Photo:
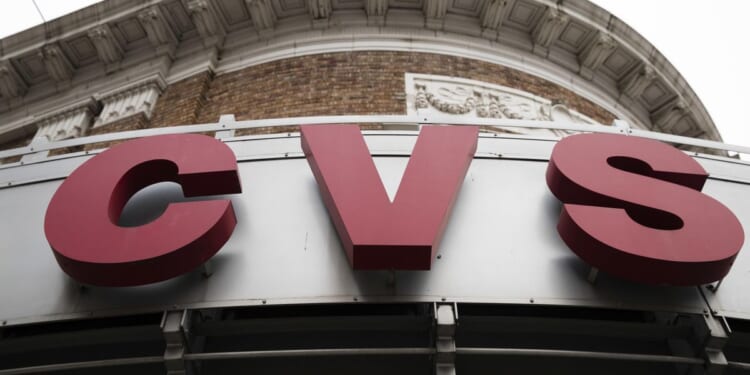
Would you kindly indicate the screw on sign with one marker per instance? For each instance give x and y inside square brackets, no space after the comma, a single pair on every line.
[632,207]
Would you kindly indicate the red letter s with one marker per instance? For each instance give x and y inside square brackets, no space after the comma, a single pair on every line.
[81,220]
[633,208]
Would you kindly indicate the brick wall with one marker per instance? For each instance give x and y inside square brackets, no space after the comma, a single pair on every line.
[346,83]
[359,83]
[181,102]
[135,122]
[18,142]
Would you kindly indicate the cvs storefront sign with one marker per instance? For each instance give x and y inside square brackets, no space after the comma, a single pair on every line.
[632,207]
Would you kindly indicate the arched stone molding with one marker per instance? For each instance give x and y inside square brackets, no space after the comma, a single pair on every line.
[573,43]
[137,98]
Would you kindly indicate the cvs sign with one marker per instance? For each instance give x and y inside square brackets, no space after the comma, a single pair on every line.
[632,207]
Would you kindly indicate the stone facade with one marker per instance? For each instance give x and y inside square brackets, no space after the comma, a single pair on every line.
[18,142]
[359,83]
[135,122]
[182,101]
[186,62]
[346,83]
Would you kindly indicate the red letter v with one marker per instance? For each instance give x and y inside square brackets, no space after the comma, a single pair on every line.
[376,233]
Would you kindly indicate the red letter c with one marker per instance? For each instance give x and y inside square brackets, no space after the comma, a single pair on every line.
[81,220]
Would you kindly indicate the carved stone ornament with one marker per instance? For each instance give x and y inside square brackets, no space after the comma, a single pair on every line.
[139,99]
[108,48]
[11,83]
[666,116]
[435,8]
[157,29]
[433,94]
[637,81]
[69,124]
[58,66]
[596,52]
[205,18]
[262,13]
[549,27]
[319,9]
[492,14]
[376,7]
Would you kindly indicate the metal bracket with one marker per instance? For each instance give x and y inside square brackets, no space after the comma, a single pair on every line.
[714,288]
[225,120]
[391,279]
[207,269]
[224,134]
[445,342]
[716,362]
[715,331]
[35,157]
[593,274]
[173,325]
[623,126]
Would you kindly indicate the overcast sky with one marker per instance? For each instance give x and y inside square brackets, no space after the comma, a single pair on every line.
[705,41]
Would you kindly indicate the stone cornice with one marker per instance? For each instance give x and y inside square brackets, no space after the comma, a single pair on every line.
[156,80]
[36,121]
[573,43]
